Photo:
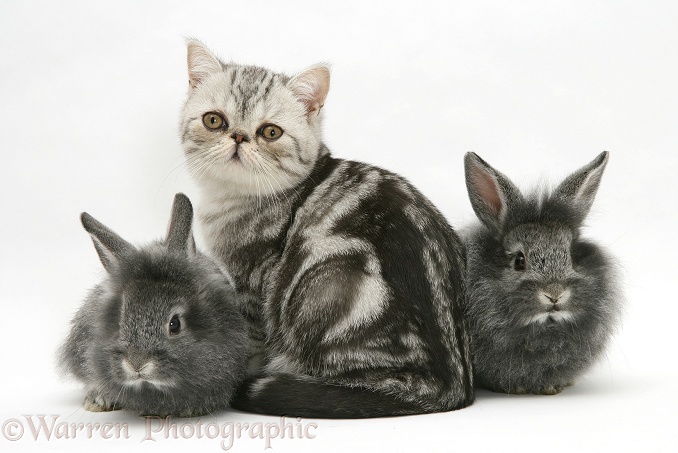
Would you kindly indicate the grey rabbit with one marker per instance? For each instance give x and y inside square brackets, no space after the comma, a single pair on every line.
[162,334]
[543,301]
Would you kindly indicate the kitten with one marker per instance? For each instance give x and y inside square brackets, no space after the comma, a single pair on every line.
[353,279]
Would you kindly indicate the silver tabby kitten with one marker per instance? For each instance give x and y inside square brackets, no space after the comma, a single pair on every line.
[353,280]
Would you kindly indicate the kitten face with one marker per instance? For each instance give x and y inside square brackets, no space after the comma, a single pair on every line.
[248,130]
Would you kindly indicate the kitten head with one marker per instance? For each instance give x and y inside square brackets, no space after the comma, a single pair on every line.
[248,130]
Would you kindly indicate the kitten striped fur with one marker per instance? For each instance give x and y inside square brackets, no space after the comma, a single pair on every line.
[353,280]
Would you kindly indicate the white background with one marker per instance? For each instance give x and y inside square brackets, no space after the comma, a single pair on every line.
[90,94]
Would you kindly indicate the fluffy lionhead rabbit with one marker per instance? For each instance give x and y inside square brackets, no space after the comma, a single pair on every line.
[162,335]
[542,300]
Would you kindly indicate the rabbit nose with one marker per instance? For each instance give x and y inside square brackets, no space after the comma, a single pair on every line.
[240,137]
[554,300]
[556,293]
[135,366]
[137,360]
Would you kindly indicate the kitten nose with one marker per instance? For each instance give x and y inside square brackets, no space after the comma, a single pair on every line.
[240,137]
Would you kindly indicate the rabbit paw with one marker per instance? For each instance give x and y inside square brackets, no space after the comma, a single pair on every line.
[550,390]
[186,413]
[96,403]
[512,390]
[518,391]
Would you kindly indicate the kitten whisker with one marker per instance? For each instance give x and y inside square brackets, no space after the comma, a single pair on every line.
[265,173]
[258,195]
[207,160]
[172,170]
[269,171]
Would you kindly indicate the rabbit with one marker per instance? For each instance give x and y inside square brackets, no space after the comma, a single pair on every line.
[543,301]
[162,335]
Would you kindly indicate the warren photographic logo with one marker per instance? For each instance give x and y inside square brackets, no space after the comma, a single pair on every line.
[52,427]
[55,428]
[284,428]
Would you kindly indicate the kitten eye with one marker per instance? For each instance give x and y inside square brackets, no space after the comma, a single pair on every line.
[213,121]
[174,325]
[270,132]
[519,263]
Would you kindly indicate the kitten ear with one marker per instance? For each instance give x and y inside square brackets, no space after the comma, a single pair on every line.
[201,62]
[311,87]
[491,193]
[580,187]
[179,231]
[110,247]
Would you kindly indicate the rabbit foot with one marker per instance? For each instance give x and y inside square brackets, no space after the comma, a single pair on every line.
[95,403]
[193,413]
[550,390]
[509,390]
[157,415]
[516,391]
[186,413]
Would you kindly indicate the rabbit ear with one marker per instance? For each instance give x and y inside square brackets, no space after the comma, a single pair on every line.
[581,186]
[110,247]
[491,193]
[179,232]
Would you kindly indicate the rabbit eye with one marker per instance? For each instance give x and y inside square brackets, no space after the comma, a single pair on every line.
[174,325]
[519,262]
